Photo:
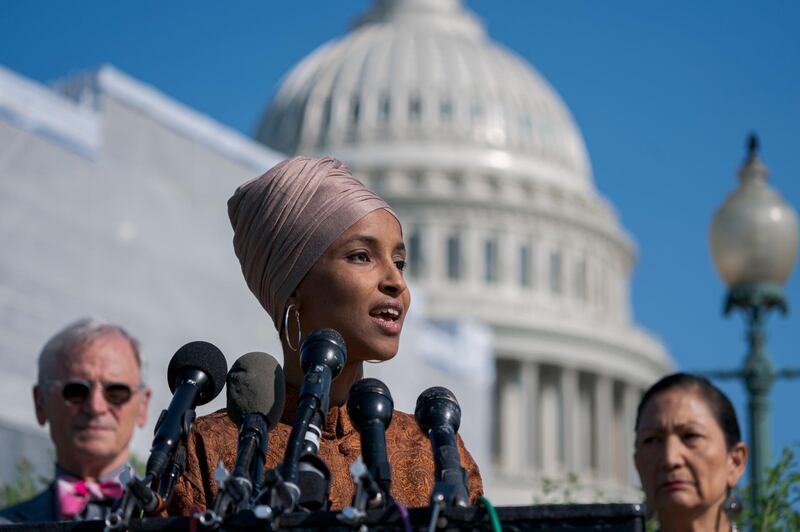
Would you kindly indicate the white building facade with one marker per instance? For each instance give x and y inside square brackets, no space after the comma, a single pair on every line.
[113,204]
[492,181]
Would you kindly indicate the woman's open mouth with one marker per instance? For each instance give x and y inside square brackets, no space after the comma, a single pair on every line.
[388,319]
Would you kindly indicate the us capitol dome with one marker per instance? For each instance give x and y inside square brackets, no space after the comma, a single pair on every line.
[490,175]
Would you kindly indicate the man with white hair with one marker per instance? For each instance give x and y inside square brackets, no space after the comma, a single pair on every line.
[90,392]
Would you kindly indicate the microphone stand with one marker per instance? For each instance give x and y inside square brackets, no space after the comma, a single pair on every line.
[370,408]
[138,496]
[302,468]
[308,407]
[281,492]
[138,493]
[368,494]
[174,470]
[303,478]
[305,475]
[439,415]
[277,497]
[451,485]
[236,490]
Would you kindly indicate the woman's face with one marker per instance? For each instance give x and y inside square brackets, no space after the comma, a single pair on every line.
[357,287]
[681,454]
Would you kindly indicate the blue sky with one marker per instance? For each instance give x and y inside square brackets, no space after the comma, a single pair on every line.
[664,92]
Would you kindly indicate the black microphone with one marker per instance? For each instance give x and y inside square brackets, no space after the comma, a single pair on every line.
[322,357]
[439,416]
[370,408]
[256,393]
[195,375]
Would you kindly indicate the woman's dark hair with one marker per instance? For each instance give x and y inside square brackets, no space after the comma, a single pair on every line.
[718,402]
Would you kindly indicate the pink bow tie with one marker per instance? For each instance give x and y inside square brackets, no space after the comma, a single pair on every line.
[74,494]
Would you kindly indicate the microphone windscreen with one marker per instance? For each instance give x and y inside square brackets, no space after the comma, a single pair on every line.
[438,405]
[324,346]
[203,356]
[369,400]
[328,335]
[256,385]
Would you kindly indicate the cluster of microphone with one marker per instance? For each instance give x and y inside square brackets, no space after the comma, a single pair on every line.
[255,401]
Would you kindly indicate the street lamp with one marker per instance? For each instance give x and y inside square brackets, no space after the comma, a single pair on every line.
[754,246]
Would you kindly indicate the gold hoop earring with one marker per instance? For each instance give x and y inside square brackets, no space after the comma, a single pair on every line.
[286,326]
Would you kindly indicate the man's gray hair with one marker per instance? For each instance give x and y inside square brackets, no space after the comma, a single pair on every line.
[75,336]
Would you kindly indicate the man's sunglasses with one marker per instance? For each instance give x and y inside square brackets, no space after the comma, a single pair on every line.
[76,392]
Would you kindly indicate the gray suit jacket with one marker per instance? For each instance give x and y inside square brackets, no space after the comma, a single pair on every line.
[43,507]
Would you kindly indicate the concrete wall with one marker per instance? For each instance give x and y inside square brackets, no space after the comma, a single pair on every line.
[136,232]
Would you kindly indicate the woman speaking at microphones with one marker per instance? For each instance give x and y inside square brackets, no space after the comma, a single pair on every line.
[320,250]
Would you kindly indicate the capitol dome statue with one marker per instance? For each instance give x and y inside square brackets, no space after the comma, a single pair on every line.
[490,175]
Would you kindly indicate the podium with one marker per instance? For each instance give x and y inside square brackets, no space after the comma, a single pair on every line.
[556,518]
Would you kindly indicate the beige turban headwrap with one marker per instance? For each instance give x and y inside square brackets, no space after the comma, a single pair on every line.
[284,221]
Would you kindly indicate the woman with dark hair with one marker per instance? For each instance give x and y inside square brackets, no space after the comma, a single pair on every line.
[688,453]
[319,250]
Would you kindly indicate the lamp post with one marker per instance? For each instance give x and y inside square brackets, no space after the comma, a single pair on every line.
[754,245]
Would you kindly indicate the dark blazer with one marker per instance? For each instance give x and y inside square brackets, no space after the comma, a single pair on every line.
[43,507]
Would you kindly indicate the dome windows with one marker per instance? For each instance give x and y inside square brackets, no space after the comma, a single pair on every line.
[521,266]
[416,259]
[446,110]
[526,127]
[555,276]
[415,113]
[581,286]
[454,265]
[456,180]
[355,110]
[325,121]
[384,109]
[417,180]
[414,108]
[493,185]
[525,269]
[327,109]
[490,261]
